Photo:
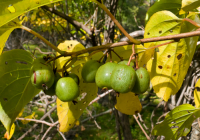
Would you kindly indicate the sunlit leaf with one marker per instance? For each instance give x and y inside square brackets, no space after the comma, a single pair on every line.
[170,63]
[177,122]
[197,94]
[70,46]
[11,9]
[12,130]
[170,5]
[188,5]
[128,103]
[28,117]
[16,89]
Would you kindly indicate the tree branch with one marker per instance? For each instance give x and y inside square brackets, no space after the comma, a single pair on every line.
[75,23]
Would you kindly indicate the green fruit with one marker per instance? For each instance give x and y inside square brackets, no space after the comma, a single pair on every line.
[52,90]
[74,76]
[103,75]
[41,74]
[123,78]
[124,62]
[67,89]
[89,71]
[142,81]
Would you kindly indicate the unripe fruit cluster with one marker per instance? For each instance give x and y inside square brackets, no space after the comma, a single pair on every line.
[120,77]
[42,77]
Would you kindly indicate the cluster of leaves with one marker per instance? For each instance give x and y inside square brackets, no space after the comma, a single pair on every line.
[165,66]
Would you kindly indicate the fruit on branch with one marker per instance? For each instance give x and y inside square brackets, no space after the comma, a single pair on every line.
[41,74]
[142,81]
[89,71]
[67,89]
[52,90]
[123,78]
[103,75]
[125,62]
[73,76]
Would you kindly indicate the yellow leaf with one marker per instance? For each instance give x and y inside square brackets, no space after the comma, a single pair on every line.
[28,117]
[170,62]
[11,9]
[12,130]
[128,103]
[197,94]
[20,114]
[68,113]
[69,46]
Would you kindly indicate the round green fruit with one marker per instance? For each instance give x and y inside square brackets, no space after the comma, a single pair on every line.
[52,90]
[123,78]
[67,89]
[103,75]
[89,71]
[42,76]
[125,62]
[75,77]
[142,81]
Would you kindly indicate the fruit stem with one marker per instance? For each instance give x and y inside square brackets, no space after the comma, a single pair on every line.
[135,41]
[118,55]
[136,60]
[43,39]
[105,53]
[110,54]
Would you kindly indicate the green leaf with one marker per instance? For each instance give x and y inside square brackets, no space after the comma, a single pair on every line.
[188,5]
[11,9]
[177,123]
[173,6]
[170,63]
[16,89]
[5,31]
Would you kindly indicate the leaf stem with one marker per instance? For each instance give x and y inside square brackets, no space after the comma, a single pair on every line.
[43,39]
[192,22]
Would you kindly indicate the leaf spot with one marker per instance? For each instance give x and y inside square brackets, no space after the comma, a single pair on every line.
[188,111]
[99,1]
[84,102]
[160,67]
[5,99]
[171,31]
[174,74]
[168,56]
[198,88]
[173,122]
[71,44]
[179,56]
[160,31]
[6,62]
[148,33]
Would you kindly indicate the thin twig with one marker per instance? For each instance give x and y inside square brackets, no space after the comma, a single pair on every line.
[101,96]
[99,127]
[141,127]
[49,130]
[37,121]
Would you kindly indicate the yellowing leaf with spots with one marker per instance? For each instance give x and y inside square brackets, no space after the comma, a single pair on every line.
[128,103]
[170,63]
[70,46]
[197,94]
